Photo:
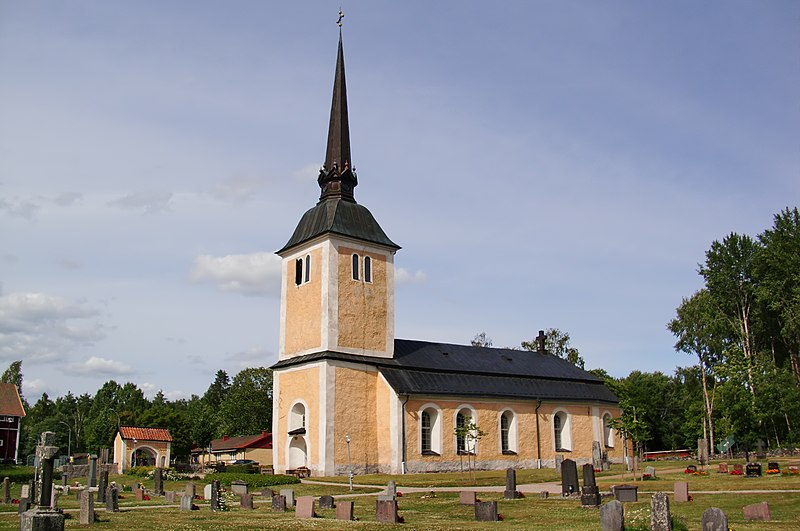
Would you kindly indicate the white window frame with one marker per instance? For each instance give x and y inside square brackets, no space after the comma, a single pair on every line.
[302,270]
[436,428]
[608,432]
[512,431]
[566,430]
[295,419]
[473,415]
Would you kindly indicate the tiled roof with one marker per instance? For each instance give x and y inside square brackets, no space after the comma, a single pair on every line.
[421,367]
[244,441]
[10,403]
[145,434]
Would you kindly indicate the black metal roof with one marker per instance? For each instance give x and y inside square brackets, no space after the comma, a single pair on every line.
[421,367]
[341,217]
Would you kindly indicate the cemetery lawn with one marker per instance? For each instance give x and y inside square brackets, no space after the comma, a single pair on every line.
[443,512]
[480,478]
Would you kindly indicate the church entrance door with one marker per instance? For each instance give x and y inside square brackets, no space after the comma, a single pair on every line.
[297,453]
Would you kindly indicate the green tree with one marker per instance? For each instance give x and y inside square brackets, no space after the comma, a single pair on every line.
[247,407]
[778,267]
[481,340]
[557,343]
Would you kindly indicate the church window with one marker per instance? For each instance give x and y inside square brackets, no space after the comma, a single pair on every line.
[508,433]
[608,433]
[367,269]
[355,267]
[308,268]
[298,271]
[561,432]
[430,430]
[464,442]
[297,417]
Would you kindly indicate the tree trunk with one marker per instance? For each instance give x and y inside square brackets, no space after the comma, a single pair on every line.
[709,410]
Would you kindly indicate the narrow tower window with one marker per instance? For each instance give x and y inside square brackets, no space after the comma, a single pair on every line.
[298,271]
[308,268]
[367,269]
[355,266]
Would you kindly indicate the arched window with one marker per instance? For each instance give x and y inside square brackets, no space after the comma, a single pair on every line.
[561,432]
[367,269]
[297,417]
[608,431]
[298,271]
[508,433]
[465,440]
[430,430]
[308,268]
[355,267]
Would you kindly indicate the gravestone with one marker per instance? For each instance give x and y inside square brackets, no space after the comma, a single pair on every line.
[714,520]
[681,491]
[326,502]
[215,506]
[289,495]
[267,493]
[246,501]
[305,507]
[112,499]
[207,492]
[104,456]
[702,451]
[597,455]
[92,470]
[279,503]
[738,469]
[101,486]
[64,478]
[625,493]
[6,490]
[544,495]
[486,511]
[87,507]
[41,515]
[138,493]
[54,495]
[773,465]
[559,461]
[190,490]
[753,470]
[569,477]
[612,516]
[723,468]
[757,511]
[660,520]
[391,489]
[158,481]
[467,497]
[239,487]
[386,511]
[344,510]
[511,485]
[24,505]
[169,496]
[590,495]
[25,492]
[650,471]
[187,502]
[65,490]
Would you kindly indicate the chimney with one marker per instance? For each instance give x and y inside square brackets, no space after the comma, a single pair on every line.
[225,437]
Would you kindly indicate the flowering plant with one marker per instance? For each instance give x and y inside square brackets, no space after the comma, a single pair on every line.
[735,472]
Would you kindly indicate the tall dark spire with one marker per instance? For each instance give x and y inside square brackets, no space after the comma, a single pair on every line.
[337,177]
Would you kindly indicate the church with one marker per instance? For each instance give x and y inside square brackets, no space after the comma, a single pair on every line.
[348,394]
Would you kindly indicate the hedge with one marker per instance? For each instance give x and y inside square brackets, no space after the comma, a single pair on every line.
[254,481]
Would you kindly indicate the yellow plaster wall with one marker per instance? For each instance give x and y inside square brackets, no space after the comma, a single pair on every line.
[355,415]
[362,306]
[488,420]
[301,384]
[263,456]
[303,306]
[383,420]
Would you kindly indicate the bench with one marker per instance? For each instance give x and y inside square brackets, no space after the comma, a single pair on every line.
[299,472]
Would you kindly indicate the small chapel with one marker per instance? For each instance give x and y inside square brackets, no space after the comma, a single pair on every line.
[349,395]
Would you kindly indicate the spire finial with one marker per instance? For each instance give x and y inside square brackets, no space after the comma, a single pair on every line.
[341,16]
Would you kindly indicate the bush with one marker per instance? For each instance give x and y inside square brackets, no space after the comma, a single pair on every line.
[254,481]
[140,471]
[241,469]
[17,474]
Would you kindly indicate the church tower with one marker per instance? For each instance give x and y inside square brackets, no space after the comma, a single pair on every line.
[337,291]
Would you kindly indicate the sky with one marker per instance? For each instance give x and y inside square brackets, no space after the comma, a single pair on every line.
[542,164]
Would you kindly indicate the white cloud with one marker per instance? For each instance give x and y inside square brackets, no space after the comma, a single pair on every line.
[309,172]
[251,274]
[95,365]
[38,327]
[254,357]
[403,276]
[20,208]
[236,190]
[149,202]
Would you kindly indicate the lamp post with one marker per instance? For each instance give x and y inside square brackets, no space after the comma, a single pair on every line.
[349,466]
[69,438]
